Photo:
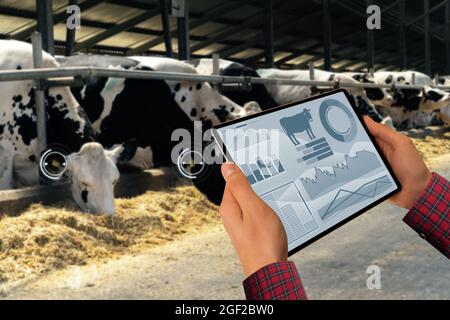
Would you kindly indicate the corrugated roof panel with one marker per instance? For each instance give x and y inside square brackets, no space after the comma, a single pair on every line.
[81,34]
[12,25]
[300,59]
[156,24]
[126,39]
[207,29]
[280,55]
[30,4]
[210,49]
[246,53]
[110,13]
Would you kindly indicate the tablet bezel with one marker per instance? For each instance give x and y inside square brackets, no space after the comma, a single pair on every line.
[297,103]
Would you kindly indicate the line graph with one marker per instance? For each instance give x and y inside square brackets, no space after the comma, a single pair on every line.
[368,190]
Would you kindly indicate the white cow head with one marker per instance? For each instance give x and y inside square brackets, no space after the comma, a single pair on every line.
[94,174]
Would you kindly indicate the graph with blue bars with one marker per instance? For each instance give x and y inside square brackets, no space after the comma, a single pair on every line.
[263,169]
[314,151]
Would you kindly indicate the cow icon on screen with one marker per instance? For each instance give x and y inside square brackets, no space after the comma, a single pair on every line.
[296,124]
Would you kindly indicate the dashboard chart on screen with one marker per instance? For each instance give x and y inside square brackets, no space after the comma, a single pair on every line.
[311,161]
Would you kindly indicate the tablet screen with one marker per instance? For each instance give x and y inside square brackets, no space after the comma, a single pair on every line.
[311,161]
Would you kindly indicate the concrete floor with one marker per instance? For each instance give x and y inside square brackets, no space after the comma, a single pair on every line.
[205,266]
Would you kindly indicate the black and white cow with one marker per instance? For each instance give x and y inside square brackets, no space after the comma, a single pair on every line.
[256,92]
[378,96]
[269,96]
[150,110]
[287,93]
[412,107]
[92,168]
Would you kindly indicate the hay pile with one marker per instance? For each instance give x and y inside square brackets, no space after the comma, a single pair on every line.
[432,146]
[45,238]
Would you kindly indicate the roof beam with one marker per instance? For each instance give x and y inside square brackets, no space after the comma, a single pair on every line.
[249,22]
[280,31]
[120,27]
[209,15]
[57,18]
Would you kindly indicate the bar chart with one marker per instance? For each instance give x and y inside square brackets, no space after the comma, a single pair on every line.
[263,169]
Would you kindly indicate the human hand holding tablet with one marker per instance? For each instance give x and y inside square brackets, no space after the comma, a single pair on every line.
[322,168]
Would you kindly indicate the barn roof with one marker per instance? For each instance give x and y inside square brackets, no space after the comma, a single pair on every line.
[235,30]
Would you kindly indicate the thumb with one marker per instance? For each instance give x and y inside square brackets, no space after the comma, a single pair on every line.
[239,186]
[381,131]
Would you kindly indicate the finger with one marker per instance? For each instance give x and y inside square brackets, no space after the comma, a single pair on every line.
[239,186]
[383,132]
[230,211]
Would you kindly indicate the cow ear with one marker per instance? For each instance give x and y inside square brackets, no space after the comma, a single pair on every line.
[123,152]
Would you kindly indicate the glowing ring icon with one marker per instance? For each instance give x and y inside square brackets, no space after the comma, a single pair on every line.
[184,159]
[46,162]
[344,136]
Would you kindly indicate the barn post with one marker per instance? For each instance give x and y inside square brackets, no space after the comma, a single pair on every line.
[402,35]
[180,10]
[39,96]
[370,46]
[311,71]
[70,33]
[268,33]
[326,34]
[216,63]
[166,28]
[447,37]
[426,28]
[44,12]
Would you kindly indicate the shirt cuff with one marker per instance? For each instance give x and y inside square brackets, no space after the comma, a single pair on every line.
[430,215]
[276,281]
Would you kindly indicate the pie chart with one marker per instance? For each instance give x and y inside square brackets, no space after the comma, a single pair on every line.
[338,120]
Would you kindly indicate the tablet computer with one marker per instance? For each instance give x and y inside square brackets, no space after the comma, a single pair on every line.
[312,161]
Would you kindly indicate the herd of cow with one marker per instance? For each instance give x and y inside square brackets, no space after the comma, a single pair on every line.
[114,120]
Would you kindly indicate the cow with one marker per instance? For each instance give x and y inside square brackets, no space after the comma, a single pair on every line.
[287,93]
[92,168]
[409,103]
[269,96]
[150,110]
[298,123]
[256,92]
[378,96]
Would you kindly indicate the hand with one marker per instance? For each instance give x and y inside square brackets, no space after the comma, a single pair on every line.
[404,159]
[255,230]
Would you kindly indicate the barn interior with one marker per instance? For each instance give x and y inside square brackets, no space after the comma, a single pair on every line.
[153,246]
[281,33]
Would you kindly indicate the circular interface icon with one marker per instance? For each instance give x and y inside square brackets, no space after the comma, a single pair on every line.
[338,120]
[53,163]
[190,164]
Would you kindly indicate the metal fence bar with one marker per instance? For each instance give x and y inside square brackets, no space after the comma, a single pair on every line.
[39,96]
[70,33]
[91,72]
[402,34]
[447,36]
[44,16]
[326,34]
[426,28]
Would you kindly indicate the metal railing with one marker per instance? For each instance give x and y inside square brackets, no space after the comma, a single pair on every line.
[76,76]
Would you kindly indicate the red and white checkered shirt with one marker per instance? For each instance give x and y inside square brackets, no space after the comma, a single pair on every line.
[430,217]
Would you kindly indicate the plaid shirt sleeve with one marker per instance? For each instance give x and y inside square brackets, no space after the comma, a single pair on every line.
[430,215]
[276,281]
